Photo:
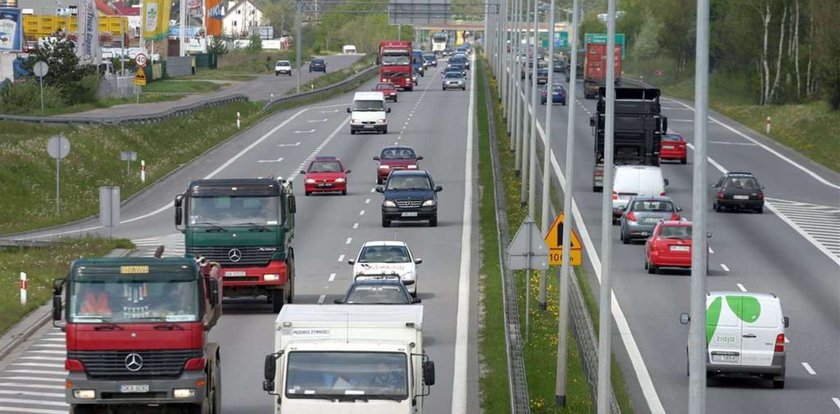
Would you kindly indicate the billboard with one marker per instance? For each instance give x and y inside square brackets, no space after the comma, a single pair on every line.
[155,19]
[87,43]
[11,29]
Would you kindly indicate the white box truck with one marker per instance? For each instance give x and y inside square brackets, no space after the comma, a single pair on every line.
[348,359]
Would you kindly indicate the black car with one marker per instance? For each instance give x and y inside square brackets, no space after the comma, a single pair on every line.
[460,58]
[377,290]
[430,59]
[317,65]
[559,65]
[447,52]
[738,190]
[410,195]
[456,67]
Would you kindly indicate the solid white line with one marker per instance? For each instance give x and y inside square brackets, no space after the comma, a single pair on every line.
[332,277]
[349,239]
[835,399]
[459,379]
[317,120]
[725,267]
[44,358]
[321,299]
[33,393]
[37,402]
[740,286]
[53,339]
[38,364]
[46,351]
[748,144]
[355,225]
[37,386]
[808,368]
[6,409]
[341,258]
[27,378]
[362,213]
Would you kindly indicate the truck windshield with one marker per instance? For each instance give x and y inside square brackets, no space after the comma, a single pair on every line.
[368,106]
[120,299]
[396,60]
[234,210]
[370,375]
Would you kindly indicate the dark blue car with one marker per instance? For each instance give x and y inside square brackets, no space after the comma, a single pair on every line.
[410,195]
[317,65]
[558,94]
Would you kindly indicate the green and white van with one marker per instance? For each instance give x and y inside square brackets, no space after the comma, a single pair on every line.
[745,334]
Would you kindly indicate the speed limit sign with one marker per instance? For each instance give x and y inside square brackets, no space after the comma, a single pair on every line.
[140,60]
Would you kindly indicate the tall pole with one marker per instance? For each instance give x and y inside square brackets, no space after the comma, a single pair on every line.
[523,184]
[532,155]
[697,329]
[182,27]
[58,183]
[566,268]
[605,326]
[516,85]
[298,41]
[549,102]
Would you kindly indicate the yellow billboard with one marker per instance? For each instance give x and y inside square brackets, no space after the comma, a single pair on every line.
[155,19]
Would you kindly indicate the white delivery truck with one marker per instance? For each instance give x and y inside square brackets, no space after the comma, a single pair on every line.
[348,359]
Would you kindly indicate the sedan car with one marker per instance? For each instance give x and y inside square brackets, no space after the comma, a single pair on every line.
[642,214]
[283,67]
[672,146]
[372,289]
[430,59]
[454,80]
[388,89]
[387,257]
[669,246]
[558,94]
[738,190]
[409,195]
[395,157]
[559,65]
[460,58]
[542,75]
[325,174]
[317,65]
[456,67]
[447,52]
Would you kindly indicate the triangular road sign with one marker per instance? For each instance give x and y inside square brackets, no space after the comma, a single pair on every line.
[554,238]
[528,244]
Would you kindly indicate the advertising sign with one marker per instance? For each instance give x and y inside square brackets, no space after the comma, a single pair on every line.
[11,32]
[87,44]
[155,19]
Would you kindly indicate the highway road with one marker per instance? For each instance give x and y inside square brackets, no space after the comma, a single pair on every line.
[792,250]
[329,230]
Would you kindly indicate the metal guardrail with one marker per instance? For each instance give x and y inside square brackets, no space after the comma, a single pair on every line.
[283,99]
[6,243]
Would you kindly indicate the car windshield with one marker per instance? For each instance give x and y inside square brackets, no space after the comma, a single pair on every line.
[373,293]
[453,75]
[675,232]
[741,183]
[653,206]
[284,63]
[384,86]
[671,137]
[368,105]
[120,299]
[384,254]
[429,57]
[398,154]
[350,375]
[317,62]
[325,166]
[408,182]
[558,88]
[234,210]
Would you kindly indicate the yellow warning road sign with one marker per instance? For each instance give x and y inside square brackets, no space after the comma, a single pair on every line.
[554,241]
[140,78]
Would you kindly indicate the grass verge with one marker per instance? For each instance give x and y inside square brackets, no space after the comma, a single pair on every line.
[180,86]
[42,265]
[106,103]
[215,74]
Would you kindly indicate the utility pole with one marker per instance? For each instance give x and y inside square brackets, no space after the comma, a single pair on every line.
[298,41]
[516,91]
[532,165]
[182,27]
[523,184]
[697,328]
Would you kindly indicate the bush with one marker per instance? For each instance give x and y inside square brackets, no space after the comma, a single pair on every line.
[25,97]
[256,44]
[83,91]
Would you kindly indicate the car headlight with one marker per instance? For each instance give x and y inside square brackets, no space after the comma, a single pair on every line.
[310,181]
[339,180]
[411,167]
[381,121]
[388,203]
[271,277]
[384,167]
[429,203]
[354,121]
[84,394]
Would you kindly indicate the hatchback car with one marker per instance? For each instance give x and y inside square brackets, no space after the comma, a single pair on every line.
[409,195]
[542,74]
[385,289]
[283,67]
[317,65]
[672,146]
[325,174]
[396,157]
[430,59]
[559,65]
[460,58]
[388,89]
[387,257]
[456,67]
[642,214]
[670,246]
[558,94]
[453,80]
[738,190]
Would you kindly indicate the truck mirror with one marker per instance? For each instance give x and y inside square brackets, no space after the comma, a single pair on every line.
[684,318]
[179,210]
[269,371]
[429,373]
[56,307]
[214,291]
[292,205]
[786,321]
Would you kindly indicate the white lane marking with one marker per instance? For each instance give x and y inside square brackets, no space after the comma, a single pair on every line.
[835,399]
[36,386]
[349,239]
[373,190]
[770,150]
[33,393]
[46,351]
[459,380]
[28,378]
[332,277]
[321,299]
[341,258]
[312,121]
[43,358]
[330,112]
[208,176]
[7,409]
[725,267]
[38,402]
[277,160]
[305,132]
[808,368]
[61,373]
[680,120]
[355,226]
[711,251]
[741,287]
[296,144]
[367,201]
[54,339]
[747,144]
[38,364]
[362,213]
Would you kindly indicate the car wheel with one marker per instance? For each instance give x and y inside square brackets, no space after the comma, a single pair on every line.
[778,384]
[352,132]
[276,74]
[278,299]
[624,238]
[760,210]
[433,221]
[683,161]
[395,100]
[307,193]
[716,207]
[651,268]
[386,222]
[385,131]
[442,88]
[344,192]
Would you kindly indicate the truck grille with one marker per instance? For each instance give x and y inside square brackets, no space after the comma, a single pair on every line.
[409,203]
[155,363]
[249,256]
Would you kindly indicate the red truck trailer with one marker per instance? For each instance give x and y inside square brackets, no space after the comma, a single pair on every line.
[395,63]
[595,68]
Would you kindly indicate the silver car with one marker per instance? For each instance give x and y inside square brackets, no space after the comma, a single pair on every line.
[641,214]
[454,80]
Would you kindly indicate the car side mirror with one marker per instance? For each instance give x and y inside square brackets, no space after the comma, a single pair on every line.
[622,208]
[338,301]
[380,189]
[419,157]
[684,318]
[786,321]
[376,158]
[679,208]
[418,261]
[348,110]
[416,300]
[351,261]
[429,373]
[592,121]
[388,110]
[666,181]
[348,171]
[438,188]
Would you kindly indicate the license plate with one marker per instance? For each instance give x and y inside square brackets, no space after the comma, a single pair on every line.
[651,220]
[624,197]
[730,359]
[235,273]
[134,388]
[680,248]
[325,185]
[409,214]
[667,147]
[741,197]
[368,126]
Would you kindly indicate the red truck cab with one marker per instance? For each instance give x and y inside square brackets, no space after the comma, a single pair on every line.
[395,63]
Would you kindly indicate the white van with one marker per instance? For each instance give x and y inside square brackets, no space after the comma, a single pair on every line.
[745,334]
[368,113]
[635,180]
[348,50]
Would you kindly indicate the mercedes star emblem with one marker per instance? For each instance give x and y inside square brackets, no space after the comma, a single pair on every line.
[133,362]
[235,255]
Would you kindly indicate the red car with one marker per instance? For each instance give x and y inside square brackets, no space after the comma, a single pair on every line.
[673,147]
[325,174]
[396,157]
[388,89]
[669,246]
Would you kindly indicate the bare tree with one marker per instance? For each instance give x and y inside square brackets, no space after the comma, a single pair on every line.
[775,86]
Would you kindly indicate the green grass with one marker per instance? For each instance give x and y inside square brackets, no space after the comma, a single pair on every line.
[180,86]
[240,61]
[41,265]
[215,74]
[106,103]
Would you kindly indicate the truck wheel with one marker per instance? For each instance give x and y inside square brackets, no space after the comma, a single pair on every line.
[278,297]
[778,384]
[433,221]
[81,409]
[386,222]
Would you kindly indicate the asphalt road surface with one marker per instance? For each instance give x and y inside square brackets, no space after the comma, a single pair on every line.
[329,230]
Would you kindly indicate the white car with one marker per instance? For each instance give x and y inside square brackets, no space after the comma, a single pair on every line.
[283,66]
[387,257]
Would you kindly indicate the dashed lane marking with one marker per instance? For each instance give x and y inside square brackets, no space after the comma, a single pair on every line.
[362,213]
[725,267]
[836,401]
[741,287]
[808,368]
[321,299]
[341,258]
[332,277]
[348,241]
[355,226]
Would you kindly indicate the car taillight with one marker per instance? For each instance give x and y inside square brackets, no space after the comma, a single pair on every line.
[631,216]
[73,365]
[615,196]
[761,196]
[780,343]
[662,194]
[195,364]
[720,195]
[675,216]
